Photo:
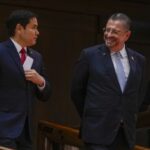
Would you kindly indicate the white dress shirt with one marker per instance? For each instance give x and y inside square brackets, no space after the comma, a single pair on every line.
[18,47]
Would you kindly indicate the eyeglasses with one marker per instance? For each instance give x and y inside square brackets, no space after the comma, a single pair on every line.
[112,31]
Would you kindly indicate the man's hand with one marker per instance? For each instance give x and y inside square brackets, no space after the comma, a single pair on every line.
[35,77]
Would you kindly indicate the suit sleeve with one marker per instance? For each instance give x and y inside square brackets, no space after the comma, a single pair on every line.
[143,99]
[45,93]
[146,101]
[79,82]
[146,95]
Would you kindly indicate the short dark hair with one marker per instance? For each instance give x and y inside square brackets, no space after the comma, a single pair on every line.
[122,17]
[18,17]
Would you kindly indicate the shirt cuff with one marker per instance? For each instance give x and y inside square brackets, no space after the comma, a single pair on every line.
[41,87]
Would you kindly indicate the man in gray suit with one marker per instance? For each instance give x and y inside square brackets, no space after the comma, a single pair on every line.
[107,89]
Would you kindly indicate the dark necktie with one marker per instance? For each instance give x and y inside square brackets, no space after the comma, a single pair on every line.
[120,70]
[23,55]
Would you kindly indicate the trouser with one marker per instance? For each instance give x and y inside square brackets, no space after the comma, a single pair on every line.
[120,143]
[23,142]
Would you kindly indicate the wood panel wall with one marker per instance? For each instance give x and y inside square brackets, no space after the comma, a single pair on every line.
[67,26]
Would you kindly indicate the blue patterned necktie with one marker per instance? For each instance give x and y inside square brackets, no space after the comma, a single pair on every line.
[120,70]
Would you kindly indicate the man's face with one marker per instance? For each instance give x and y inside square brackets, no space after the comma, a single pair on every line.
[29,34]
[115,35]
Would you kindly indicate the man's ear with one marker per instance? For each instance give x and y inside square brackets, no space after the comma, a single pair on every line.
[19,28]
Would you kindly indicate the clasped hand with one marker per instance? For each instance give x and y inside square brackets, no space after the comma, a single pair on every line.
[33,76]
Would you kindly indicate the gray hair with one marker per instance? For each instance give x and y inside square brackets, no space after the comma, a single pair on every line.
[122,17]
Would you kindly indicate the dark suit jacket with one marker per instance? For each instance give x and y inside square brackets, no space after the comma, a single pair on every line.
[99,99]
[16,94]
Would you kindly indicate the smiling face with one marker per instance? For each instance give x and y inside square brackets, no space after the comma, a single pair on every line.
[27,36]
[115,34]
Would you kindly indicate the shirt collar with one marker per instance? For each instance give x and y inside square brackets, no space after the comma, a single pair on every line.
[17,45]
[123,52]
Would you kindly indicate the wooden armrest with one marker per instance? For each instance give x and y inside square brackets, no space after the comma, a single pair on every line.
[5,148]
[137,147]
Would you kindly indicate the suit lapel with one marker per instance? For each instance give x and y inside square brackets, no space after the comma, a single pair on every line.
[109,67]
[15,56]
[132,63]
[12,51]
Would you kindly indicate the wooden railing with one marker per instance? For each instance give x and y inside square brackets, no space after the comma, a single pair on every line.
[53,136]
[50,134]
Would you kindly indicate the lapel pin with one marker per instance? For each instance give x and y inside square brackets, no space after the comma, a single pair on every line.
[104,54]
[30,52]
[132,58]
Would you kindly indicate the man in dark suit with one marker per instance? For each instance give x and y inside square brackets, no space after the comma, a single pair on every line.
[19,84]
[107,89]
